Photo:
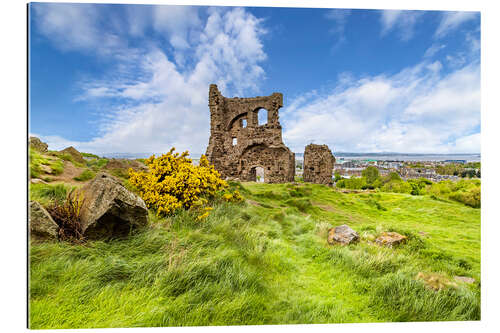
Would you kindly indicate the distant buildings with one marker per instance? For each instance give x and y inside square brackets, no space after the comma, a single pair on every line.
[348,168]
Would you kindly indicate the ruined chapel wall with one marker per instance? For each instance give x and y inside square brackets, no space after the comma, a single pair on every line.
[255,145]
[318,164]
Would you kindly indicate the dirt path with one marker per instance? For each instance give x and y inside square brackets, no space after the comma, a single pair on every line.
[70,171]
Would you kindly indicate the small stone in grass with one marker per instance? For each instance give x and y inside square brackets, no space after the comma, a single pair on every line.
[465,279]
[342,235]
[390,239]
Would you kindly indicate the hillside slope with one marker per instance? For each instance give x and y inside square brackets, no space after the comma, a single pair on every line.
[267,262]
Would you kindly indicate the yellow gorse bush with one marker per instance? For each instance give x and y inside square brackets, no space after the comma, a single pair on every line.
[233,197]
[174,182]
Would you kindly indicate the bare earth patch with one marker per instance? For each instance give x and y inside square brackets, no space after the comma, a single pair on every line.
[69,172]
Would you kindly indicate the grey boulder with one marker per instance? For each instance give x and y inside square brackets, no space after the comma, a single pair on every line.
[390,239]
[41,224]
[343,235]
[37,144]
[109,210]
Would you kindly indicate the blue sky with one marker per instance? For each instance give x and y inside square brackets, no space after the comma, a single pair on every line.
[134,78]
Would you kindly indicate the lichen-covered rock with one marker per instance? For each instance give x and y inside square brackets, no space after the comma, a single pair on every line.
[318,164]
[75,154]
[110,210]
[240,147]
[390,239]
[343,235]
[465,279]
[37,144]
[41,224]
[37,181]
[435,281]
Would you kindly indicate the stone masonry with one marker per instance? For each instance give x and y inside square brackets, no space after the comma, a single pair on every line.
[239,147]
[318,164]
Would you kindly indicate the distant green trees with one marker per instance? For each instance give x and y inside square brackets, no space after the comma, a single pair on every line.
[337,176]
[458,169]
[371,174]
[466,191]
[355,183]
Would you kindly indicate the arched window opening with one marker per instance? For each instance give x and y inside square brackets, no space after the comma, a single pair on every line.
[243,123]
[262,117]
[235,141]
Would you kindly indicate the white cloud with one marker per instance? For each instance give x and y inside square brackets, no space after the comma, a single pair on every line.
[402,20]
[457,60]
[139,17]
[55,142]
[339,19]
[389,18]
[472,38]
[74,27]
[452,20]
[166,104]
[468,144]
[176,22]
[419,109]
[433,49]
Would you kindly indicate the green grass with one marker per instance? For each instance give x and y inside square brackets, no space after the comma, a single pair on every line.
[69,158]
[93,156]
[466,191]
[266,262]
[36,162]
[46,193]
[97,163]
[119,173]
[65,157]
[85,175]
[57,167]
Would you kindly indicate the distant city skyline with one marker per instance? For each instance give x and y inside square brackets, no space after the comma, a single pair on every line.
[134,78]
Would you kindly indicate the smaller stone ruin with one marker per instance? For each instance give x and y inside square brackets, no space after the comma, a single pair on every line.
[318,164]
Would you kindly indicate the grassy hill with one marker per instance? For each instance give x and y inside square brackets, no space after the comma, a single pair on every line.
[267,261]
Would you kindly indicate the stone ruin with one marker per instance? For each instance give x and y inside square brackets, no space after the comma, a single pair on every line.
[318,164]
[240,147]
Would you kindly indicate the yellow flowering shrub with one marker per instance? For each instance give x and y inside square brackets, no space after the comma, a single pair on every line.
[205,214]
[174,182]
[233,197]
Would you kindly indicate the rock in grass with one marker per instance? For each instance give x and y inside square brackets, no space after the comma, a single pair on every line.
[390,239]
[41,224]
[435,281]
[37,144]
[110,210]
[343,235]
[37,181]
[465,279]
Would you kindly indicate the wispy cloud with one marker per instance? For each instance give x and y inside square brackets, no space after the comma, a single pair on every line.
[339,19]
[433,49]
[164,102]
[76,27]
[420,110]
[402,20]
[452,20]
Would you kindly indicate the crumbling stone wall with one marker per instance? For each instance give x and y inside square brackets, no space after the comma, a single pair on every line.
[318,164]
[238,145]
